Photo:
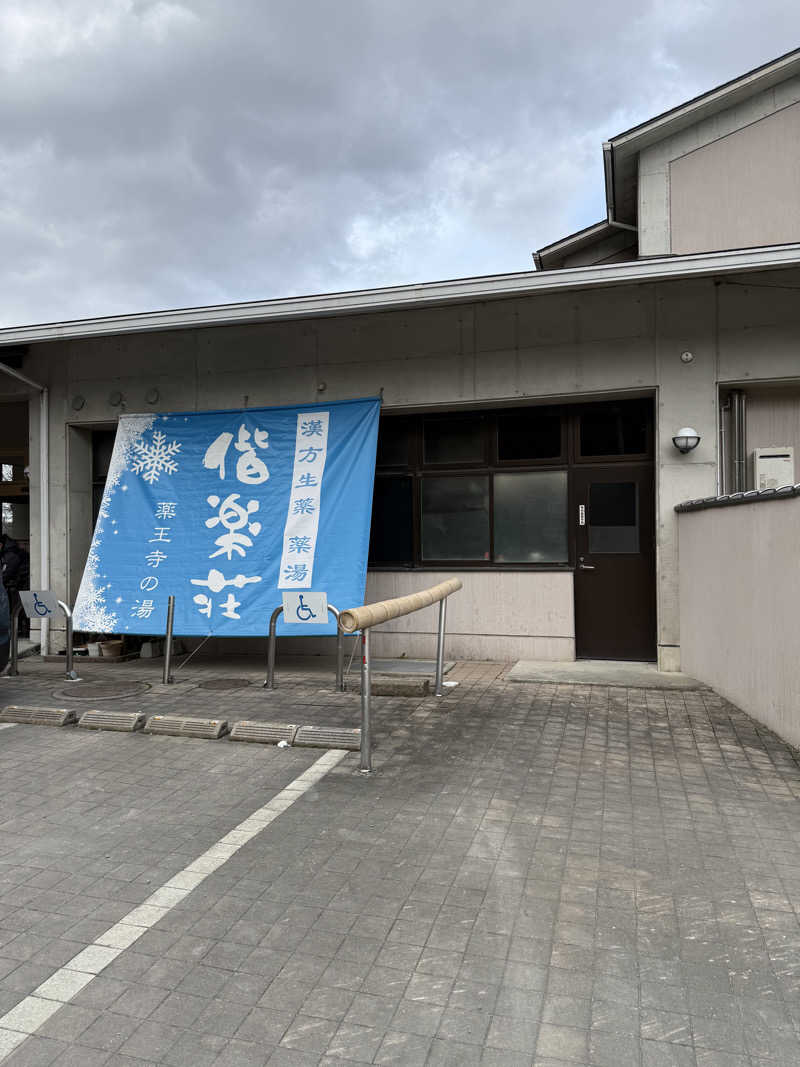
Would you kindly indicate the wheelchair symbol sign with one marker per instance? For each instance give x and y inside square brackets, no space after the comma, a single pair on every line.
[311,608]
[38,603]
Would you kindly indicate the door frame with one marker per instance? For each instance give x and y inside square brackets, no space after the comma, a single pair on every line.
[648,586]
[580,465]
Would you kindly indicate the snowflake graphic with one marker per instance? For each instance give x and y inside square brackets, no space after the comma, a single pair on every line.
[155,458]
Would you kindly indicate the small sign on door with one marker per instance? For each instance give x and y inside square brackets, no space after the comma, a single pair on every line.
[38,603]
[581,514]
[309,608]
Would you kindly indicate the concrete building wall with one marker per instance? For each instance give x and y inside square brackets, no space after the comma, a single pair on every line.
[739,588]
[741,190]
[773,419]
[497,615]
[723,193]
[579,346]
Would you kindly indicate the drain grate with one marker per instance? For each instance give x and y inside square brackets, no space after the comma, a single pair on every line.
[328,737]
[38,716]
[224,683]
[181,726]
[265,733]
[101,691]
[127,721]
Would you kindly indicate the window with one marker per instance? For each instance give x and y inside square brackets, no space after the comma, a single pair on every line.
[530,517]
[454,440]
[102,448]
[392,532]
[393,443]
[613,517]
[621,429]
[533,434]
[455,518]
[460,494]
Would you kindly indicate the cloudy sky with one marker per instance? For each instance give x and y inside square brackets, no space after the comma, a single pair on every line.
[169,153]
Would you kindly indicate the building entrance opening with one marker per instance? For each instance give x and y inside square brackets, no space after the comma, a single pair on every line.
[614,533]
[14,487]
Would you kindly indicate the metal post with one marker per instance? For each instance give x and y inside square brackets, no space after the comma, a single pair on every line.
[168,679]
[339,651]
[70,675]
[739,441]
[339,661]
[13,671]
[440,647]
[273,622]
[366,736]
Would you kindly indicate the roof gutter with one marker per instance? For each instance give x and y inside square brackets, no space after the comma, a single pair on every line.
[608,170]
[429,294]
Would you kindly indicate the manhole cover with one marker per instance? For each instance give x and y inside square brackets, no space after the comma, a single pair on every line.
[100,691]
[224,683]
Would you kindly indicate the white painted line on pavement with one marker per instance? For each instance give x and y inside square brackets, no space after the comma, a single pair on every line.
[33,1011]
[6,725]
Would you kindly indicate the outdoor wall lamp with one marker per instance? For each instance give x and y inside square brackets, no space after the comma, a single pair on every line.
[686,439]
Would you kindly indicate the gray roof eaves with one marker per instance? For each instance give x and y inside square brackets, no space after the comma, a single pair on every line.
[427,294]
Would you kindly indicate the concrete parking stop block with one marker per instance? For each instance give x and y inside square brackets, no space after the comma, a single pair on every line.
[125,721]
[38,716]
[186,726]
[329,737]
[265,733]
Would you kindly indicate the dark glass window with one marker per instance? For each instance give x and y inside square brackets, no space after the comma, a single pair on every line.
[454,440]
[394,437]
[615,429]
[613,517]
[392,532]
[530,517]
[534,434]
[102,448]
[455,518]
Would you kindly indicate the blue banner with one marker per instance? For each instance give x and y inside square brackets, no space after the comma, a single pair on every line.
[226,510]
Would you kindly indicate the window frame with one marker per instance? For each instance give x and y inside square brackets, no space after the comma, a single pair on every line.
[433,562]
[562,459]
[579,459]
[417,469]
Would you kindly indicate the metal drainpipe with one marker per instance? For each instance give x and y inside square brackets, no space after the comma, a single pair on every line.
[724,434]
[739,442]
[608,170]
[44,486]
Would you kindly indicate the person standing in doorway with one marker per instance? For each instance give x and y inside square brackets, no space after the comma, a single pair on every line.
[16,568]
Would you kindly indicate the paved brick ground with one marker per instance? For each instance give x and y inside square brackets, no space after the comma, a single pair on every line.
[536,874]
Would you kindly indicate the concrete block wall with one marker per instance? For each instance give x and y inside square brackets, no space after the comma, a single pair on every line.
[739,589]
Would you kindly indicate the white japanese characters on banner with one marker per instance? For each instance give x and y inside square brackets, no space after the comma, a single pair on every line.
[226,509]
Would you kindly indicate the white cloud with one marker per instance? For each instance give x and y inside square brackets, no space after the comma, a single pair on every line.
[159,154]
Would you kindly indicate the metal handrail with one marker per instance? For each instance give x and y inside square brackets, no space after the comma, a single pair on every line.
[372,615]
[70,674]
[273,641]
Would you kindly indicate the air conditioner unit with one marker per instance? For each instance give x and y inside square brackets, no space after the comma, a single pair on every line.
[773,467]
